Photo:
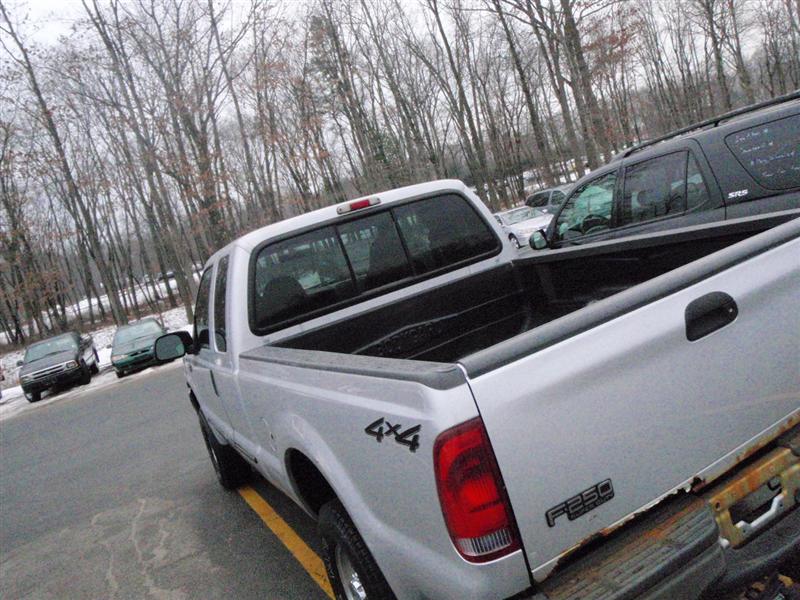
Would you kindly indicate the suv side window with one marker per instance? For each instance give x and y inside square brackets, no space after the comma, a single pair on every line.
[201,338]
[220,339]
[696,189]
[588,209]
[653,188]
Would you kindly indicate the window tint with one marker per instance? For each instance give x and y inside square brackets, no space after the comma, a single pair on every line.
[375,251]
[299,275]
[696,190]
[201,311]
[654,188]
[220,339]
[323,268]
[588,210]
[770,152]
[443,231]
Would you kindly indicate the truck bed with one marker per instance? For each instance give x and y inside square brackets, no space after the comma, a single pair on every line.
[451,322]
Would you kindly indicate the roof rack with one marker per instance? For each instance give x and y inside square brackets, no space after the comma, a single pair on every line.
[713,122]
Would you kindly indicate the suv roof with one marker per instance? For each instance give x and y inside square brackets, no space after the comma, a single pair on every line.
[719,125]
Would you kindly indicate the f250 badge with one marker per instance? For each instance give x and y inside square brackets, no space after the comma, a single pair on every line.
[582,503]
[383,429]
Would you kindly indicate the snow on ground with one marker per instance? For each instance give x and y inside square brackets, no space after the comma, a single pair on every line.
[144,293]
[13,401]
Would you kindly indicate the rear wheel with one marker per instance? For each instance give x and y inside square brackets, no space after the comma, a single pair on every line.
[231,469]
[33,396]
[96,364]
[120,374]
[352,571]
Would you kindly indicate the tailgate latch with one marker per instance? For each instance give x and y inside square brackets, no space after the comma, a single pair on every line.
[757,496]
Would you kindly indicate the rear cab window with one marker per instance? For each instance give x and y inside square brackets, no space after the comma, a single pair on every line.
[770,152]
[328,268]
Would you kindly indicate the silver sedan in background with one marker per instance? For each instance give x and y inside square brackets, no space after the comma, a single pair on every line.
[520,223]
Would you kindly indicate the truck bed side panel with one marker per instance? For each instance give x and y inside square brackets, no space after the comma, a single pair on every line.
[323,404]
[633,401]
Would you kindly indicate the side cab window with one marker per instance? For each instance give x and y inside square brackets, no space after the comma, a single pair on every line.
[201,306]
[220,293]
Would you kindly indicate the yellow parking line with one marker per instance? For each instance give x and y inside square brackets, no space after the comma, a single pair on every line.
[294,544]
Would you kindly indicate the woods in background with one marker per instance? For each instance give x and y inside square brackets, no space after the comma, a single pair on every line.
[159,130]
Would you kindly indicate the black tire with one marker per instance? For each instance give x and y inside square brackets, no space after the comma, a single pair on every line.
[341,542]
[231,469]
[120,374]
[33,396]
[86,376]
[96,364]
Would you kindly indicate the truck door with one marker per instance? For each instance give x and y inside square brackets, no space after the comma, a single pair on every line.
[201,364]
[224,367]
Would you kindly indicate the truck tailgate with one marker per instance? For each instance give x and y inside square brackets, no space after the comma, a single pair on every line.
[616,397]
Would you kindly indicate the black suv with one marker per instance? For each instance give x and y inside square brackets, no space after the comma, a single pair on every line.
[743,163]
[56,362]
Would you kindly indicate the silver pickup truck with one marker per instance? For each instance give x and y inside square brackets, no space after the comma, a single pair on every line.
[612,420]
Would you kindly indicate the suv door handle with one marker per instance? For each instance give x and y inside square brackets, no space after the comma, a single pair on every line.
[708,313]
[213,382]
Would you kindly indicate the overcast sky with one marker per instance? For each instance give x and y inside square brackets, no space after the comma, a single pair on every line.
[46,19]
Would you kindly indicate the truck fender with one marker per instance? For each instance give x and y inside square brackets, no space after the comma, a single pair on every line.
[303,442]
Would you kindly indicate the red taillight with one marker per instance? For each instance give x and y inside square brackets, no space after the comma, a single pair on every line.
[475,506]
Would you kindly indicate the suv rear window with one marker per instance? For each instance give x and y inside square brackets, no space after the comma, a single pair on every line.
[770,152]
[328,268]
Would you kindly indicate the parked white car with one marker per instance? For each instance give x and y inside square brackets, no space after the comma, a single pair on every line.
[519,223]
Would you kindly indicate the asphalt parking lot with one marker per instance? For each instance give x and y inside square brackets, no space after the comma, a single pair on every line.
[110,494]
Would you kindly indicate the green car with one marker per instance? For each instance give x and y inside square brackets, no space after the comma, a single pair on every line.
[132,348]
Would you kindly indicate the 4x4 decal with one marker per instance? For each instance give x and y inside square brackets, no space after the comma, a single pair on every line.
[383,429]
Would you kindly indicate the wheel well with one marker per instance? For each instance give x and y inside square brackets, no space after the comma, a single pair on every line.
[310,485]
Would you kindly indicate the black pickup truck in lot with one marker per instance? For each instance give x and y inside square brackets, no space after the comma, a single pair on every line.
[56,362]
[740,164]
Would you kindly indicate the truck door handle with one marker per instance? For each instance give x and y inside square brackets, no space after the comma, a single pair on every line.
[708,313]
[213,382]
